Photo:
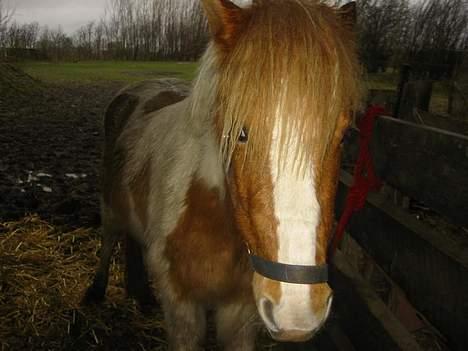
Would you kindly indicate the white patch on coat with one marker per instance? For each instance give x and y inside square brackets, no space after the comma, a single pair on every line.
[180,152]
[298,212]
[242,3]
[210,169]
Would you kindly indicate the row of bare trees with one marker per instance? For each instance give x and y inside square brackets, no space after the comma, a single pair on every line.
[145,29]
[428,31]
[5,16]
[391,32]
[5,13]
[129,29]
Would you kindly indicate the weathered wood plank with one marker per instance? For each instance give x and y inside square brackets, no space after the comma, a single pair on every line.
[365,319]
[340,340]
[451,123]
[416,96]
[426,163]
[431,268]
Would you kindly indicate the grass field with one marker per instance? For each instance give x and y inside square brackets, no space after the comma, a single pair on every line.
[92,71]
[131,71]
[95,71]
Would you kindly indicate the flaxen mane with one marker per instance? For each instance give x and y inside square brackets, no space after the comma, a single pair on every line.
[303,45]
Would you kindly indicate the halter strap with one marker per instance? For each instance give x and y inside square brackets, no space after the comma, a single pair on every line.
[290,273]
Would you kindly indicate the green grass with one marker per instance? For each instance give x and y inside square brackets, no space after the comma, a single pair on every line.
[95,71]
[382,81]
[389,81]
[132,71]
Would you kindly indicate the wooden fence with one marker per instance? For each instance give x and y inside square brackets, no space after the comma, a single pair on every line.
[425,260]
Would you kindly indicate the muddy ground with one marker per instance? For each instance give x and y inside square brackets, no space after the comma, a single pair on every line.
[50,142]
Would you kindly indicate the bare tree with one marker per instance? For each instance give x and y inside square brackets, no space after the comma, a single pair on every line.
[99,39]
[439,30]
[6,14]
[382,29]
[150,29]
[440,24]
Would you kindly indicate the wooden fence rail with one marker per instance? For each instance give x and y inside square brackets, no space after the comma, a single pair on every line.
[428,165]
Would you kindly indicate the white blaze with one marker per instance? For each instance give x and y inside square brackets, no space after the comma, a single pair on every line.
[297,211]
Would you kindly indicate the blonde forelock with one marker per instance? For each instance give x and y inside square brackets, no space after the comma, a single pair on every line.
[294,63]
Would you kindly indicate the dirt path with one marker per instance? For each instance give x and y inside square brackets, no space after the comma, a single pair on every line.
[50,142]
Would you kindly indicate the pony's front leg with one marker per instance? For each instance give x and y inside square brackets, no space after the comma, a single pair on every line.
[185,325]
[237,326]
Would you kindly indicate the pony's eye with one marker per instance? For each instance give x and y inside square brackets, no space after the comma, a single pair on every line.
[243,136]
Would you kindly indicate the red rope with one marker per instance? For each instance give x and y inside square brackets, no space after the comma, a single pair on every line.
[365,179]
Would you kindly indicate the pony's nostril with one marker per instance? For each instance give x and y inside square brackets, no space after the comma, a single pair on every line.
[330,299]
[266,312]
[329,304]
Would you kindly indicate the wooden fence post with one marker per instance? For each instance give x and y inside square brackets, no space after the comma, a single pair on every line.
[404,78]
[416,95]
[458,94]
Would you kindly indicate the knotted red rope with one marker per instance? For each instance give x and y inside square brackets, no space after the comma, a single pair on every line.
[365,179]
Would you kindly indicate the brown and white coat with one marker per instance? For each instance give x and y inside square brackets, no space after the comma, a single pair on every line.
[192,200]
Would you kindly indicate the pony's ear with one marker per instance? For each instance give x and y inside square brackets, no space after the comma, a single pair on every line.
[224,19]
[348,14]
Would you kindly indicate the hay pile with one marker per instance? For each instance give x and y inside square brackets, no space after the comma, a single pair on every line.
[43,275]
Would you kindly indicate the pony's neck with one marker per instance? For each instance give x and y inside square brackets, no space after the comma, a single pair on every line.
[210,169]
[204,92]
[202,114]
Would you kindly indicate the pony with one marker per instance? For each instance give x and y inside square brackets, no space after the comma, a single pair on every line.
[225,191]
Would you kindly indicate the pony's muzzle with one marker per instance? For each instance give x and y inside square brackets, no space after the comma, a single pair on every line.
[290,319]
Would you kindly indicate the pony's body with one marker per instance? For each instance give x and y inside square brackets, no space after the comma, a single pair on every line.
[246,164]
[169,195]
[177,211]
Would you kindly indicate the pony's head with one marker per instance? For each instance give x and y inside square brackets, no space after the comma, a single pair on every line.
[281,78]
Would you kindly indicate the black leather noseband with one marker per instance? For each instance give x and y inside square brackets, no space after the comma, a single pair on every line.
[290,273]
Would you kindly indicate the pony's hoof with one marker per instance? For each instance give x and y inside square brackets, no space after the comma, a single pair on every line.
[146,302]
[147,309]
[94,295]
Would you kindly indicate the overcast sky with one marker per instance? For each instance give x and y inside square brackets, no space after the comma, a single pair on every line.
[71,14]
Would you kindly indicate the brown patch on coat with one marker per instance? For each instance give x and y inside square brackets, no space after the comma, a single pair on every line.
[117,114]
[252,191]
[163,99]
[225,20]
[266,287]
[319,294]
[208,259]
[327,182]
